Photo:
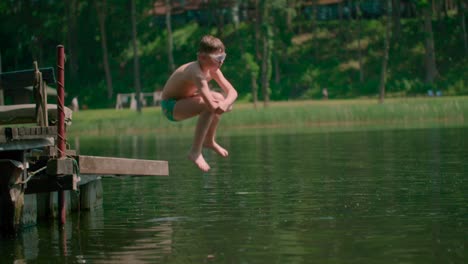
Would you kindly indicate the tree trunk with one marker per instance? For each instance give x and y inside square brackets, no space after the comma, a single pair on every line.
[446,8]
[235,14]
[342,31]
[266,71]
[257,29]
[314,29]
[101,8]
[252,68]
[359,35]
[436,9]
[289,15]
[383,74]
[396,10]
[461,15]
[170,40]
[217,13]
[431,68]
[71,7]
[253,80]
[277,69]
[136,62]
[361,65]
[266,56]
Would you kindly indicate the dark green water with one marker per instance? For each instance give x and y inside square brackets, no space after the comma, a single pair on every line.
[356,197]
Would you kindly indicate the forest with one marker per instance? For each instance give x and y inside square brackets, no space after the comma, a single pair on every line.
[277,50]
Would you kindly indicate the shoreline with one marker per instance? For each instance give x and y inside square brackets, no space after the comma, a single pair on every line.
[313,115]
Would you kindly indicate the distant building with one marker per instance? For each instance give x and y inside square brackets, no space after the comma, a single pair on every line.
[206,12]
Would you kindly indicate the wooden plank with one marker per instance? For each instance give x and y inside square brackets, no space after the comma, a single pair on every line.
[22,133]
[26,113]
[27,144]
[121,166]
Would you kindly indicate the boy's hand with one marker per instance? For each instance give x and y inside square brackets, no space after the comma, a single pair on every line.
[223,107]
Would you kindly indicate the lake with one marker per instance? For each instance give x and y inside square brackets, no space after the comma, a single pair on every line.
[395,196]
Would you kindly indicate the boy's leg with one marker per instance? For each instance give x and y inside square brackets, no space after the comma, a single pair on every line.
[195,154]
[210,141]
[190,107]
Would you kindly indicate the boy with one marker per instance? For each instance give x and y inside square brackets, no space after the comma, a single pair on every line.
[186,94]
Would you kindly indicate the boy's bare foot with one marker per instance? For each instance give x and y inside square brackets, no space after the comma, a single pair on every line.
[199,161]
[217,148]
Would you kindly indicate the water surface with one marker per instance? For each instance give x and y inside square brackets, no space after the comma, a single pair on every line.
[354,197]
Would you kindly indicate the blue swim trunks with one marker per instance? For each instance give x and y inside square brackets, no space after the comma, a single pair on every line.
[168,108]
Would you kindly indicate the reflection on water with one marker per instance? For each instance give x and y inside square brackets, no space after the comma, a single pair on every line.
[360,197]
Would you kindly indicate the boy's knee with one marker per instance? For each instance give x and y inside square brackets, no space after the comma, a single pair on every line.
[218,96]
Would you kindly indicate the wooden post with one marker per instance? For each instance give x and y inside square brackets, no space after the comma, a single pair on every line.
[91,195]
[40,96]
[61,121]
[2,102]
[11,194]
[29,212]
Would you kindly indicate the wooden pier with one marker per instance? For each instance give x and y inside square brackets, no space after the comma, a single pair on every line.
[39,178]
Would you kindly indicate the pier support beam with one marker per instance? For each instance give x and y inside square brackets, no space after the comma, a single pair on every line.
[91,195]
[11,195]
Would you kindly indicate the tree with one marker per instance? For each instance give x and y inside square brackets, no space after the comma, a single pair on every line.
[254,70]
[291,13]
[101,10]
[359,36]
[383,74]
[136,62]
[71,9]
[283,14]
[268,26]
[267,42]
[258,23]
[396,14]
[314,25]
[461,15]
[431,67]
[235,13]
[217,11]
[170,40]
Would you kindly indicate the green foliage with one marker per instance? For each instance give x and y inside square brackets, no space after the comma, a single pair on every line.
[310,56]
[251,64]
[421,3]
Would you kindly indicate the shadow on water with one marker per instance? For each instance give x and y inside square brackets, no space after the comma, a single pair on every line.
[356,197]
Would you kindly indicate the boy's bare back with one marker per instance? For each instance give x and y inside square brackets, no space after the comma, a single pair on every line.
[182,83]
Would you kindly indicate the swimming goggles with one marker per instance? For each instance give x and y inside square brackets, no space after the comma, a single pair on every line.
[218,57]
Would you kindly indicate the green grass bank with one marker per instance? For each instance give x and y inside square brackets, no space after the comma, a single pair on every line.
[310,115]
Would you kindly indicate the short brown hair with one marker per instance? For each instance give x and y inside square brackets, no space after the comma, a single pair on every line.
[210,44]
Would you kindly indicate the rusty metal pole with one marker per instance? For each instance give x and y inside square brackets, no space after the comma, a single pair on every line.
[61,122]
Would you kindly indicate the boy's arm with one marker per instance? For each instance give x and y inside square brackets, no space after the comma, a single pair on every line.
[205,92]
[231,93]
